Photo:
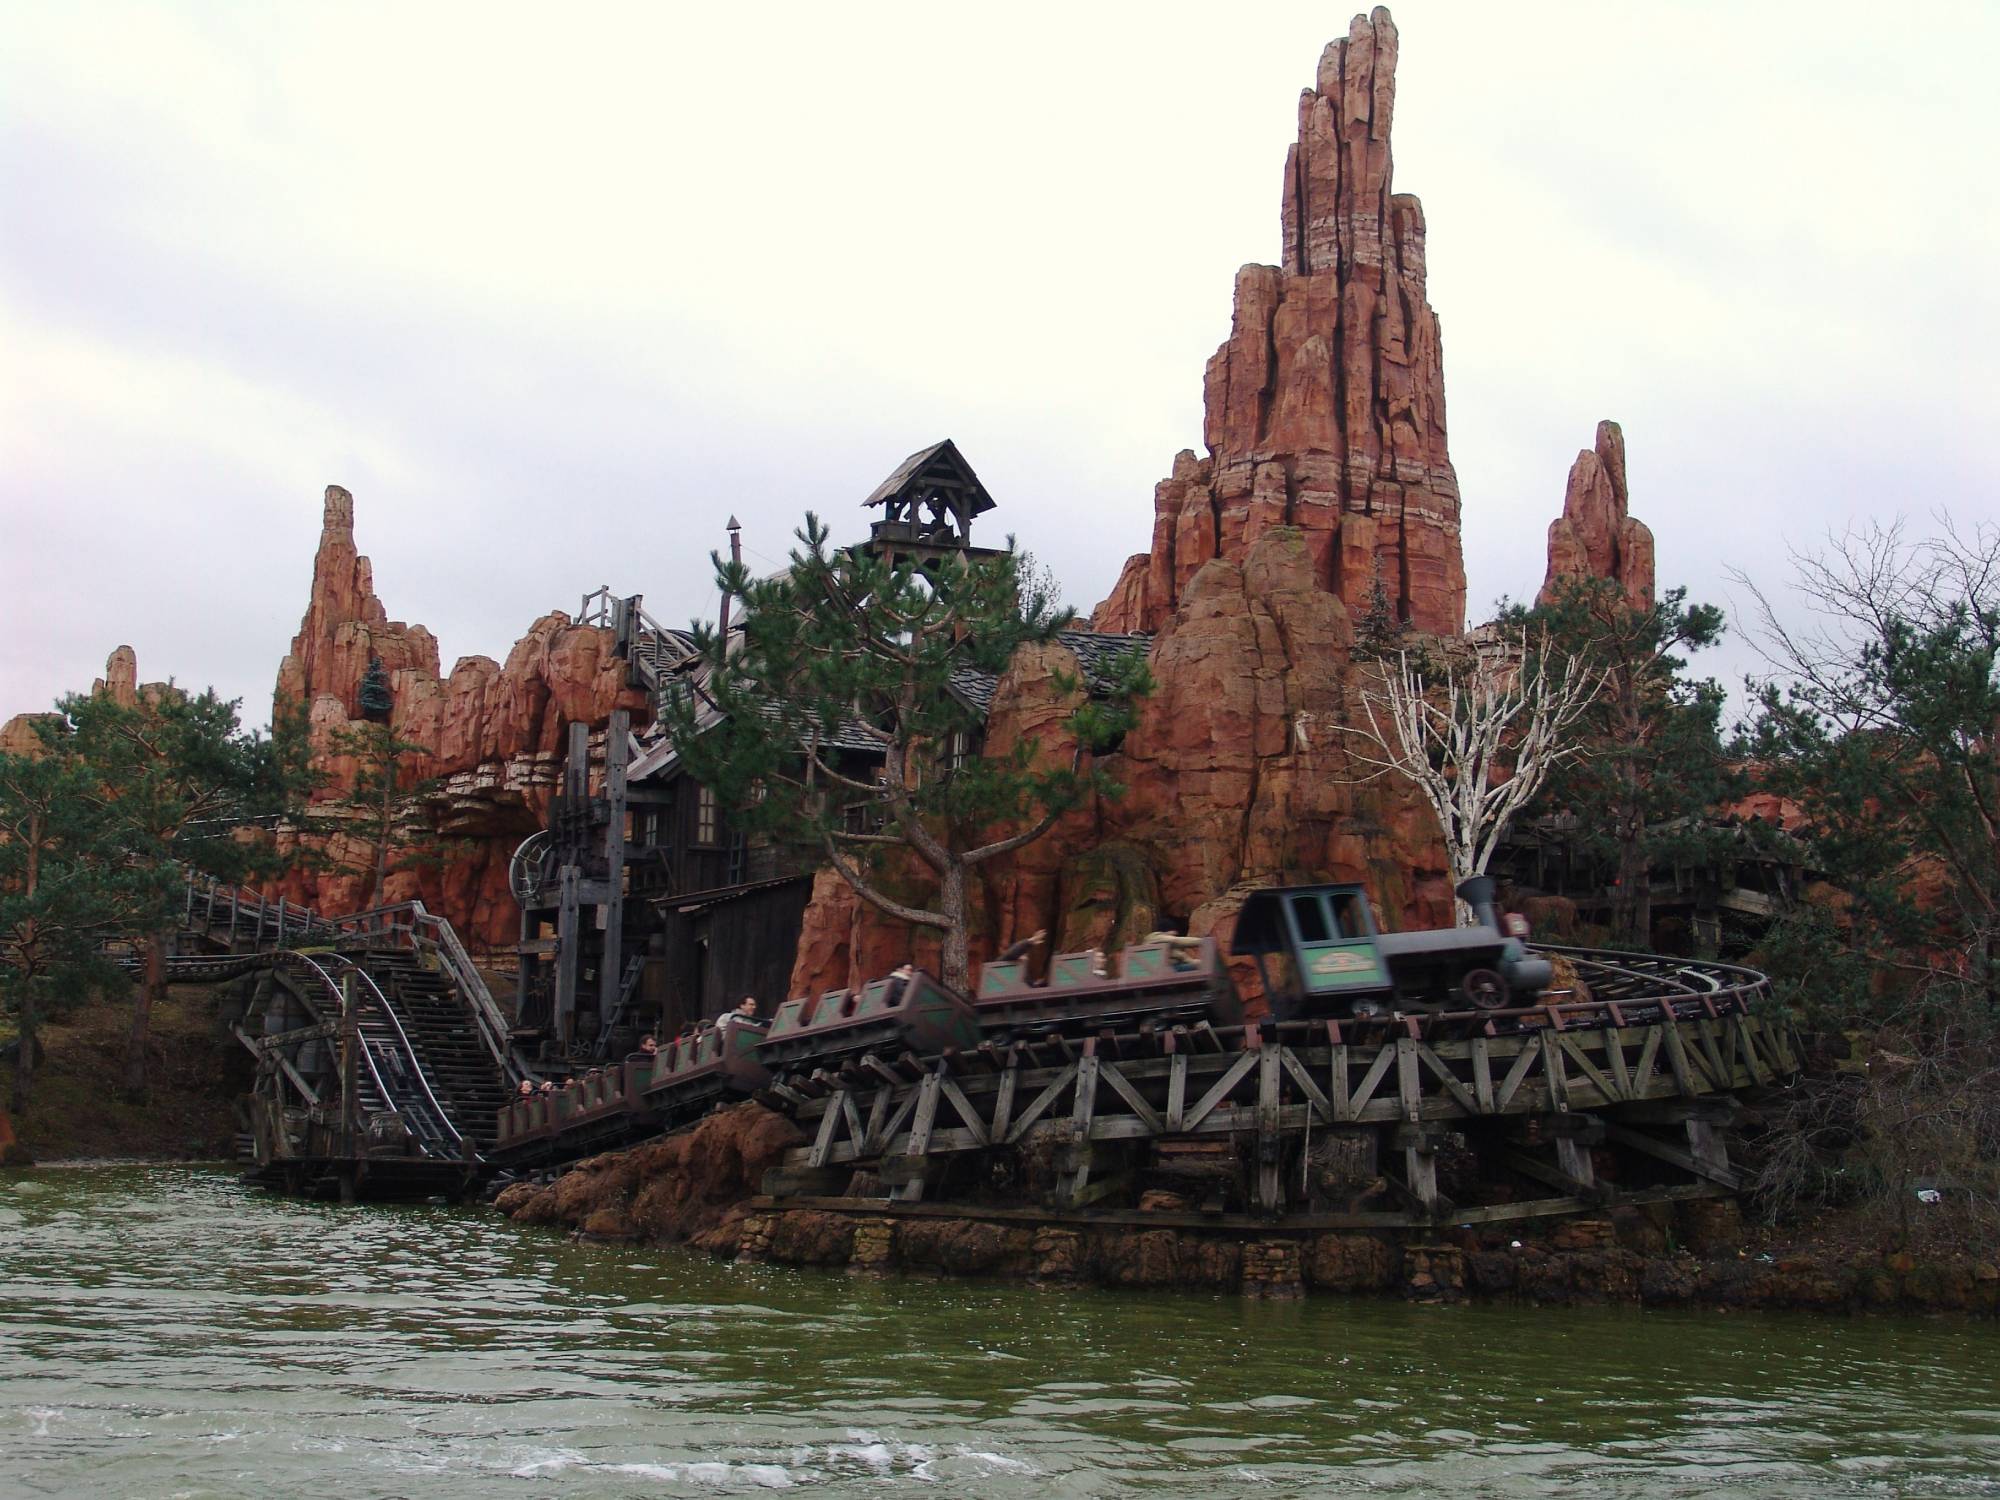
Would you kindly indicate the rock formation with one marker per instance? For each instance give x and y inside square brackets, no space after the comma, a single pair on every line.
[345,624]
[491,732]
[1325,407]
[1236,776]
[1596,536]
[120,681]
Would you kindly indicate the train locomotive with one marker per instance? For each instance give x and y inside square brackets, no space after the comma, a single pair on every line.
[1317,950]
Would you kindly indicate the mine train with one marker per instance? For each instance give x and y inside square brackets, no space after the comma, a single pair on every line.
[1316,949]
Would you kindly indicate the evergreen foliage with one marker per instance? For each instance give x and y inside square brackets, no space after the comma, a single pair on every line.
[1880,722]
[1652,768]
[66,889]
[381,813]
[839,720]
[183,786]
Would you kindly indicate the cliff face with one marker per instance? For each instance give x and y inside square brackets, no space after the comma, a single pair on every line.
[1325,407]
[1596,536]
[491,733]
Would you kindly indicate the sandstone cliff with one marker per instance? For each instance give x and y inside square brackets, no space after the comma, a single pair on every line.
[1325,406]
[491,732]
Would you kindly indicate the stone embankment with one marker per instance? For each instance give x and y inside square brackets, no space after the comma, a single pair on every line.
[699,1189]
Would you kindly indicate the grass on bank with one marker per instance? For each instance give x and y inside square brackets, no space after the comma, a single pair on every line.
[77,1109]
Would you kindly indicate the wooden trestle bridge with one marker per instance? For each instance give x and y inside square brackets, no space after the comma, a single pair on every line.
[1331,1124]
[384,1064]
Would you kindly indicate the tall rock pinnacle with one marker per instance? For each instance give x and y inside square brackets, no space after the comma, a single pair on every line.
[1597,536]
[1325,407]
[345,624]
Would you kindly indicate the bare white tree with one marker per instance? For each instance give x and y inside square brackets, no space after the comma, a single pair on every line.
[1478,744]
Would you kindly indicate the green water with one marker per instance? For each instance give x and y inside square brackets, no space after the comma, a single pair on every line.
[164,1332]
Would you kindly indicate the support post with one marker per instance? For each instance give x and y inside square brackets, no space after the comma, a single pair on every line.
[611,969]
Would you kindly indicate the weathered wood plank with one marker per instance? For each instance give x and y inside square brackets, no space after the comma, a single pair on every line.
[1237,1070]
[1120,1086]
[1039,1105]
[1516,1075]
[1482,1075]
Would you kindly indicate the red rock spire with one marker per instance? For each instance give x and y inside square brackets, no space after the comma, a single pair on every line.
[1325,407]
[1596,536]
[345,624]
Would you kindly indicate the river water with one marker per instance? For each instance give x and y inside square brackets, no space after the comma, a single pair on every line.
[166,1332]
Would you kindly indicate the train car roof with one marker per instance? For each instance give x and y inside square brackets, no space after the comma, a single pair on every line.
[1260,926]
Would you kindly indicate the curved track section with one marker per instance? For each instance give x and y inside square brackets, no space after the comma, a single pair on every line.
[392,1073]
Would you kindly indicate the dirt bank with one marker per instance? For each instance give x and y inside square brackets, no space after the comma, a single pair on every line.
[78,1110]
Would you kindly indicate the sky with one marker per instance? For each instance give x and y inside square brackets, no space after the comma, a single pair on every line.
[554,291]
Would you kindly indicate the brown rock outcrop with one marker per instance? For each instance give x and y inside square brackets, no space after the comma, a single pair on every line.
[491,732]
[120,681]
[1325,406]
[690,1186]
[1597,536]
[1237,775]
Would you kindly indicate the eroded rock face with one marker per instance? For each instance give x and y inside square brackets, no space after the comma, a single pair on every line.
[693,1186]
[491,732]
[1597,536]
[1325,406]
[1238,775]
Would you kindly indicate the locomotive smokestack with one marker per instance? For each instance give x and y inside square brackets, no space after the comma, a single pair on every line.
[1477,893]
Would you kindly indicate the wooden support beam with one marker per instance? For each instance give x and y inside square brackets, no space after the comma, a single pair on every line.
[1482,1075]
[1555,1177]
[829,1123]
[1270,1142]
[1177,1094]
[928,1093]
[1709,1168]
[1234,1075]
[1336,1080]
[1123,1088]
[1041,1102]
[1614,1057]
[1003,1103]
[966,1112]
[1649,1057]
[1745,1044]
[1365,1091]
[1571,1046]
[1518,1073]
[1677,1057]
[1080,1121]
[1465,1097]
[1300,1075]
[1573,1157]
[611,965]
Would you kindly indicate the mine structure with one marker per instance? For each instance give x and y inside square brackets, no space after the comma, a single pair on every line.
[644,909]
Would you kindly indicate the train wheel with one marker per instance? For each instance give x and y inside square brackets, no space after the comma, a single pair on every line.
[1484,988]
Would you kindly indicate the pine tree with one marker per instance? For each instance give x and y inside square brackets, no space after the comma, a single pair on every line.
[183,785]
[847,662]
[1651,768]
[383,810]
[66,889]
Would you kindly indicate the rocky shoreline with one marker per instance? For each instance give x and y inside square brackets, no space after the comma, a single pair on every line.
[700,1189]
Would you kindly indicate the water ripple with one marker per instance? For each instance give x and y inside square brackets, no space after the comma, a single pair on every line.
[165,1332]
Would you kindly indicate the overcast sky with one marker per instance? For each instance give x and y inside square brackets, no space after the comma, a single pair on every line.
[554,290]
